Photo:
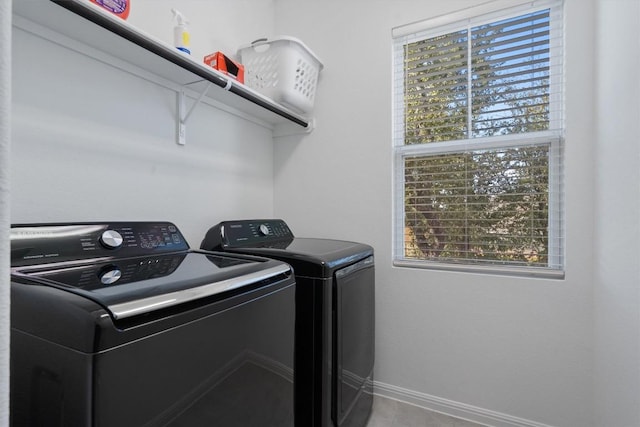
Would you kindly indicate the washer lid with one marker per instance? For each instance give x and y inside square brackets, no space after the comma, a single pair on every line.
[128,287]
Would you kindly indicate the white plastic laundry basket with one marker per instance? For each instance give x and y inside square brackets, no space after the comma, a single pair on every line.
[284,69]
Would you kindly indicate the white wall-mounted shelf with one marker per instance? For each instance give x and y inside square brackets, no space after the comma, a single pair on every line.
[98,29]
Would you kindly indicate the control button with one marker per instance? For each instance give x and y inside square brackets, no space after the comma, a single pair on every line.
[110,276]
[263,230]
[111,239]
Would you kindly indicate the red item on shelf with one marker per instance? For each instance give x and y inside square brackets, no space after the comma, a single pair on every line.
[219,61]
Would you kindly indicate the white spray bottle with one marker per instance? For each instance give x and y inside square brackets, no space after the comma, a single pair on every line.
[181,32]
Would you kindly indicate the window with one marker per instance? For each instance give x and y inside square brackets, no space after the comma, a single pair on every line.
[478,134]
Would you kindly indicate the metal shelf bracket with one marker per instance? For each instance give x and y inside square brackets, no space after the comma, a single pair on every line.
[182,117]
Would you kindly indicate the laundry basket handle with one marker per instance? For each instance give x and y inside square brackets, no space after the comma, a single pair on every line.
[260,41]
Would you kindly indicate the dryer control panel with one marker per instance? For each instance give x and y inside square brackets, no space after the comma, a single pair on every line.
[46,243]
[247,233]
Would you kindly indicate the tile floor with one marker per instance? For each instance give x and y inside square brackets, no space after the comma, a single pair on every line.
[392,413]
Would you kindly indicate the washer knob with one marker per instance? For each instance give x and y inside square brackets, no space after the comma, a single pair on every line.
[111,239]
[263,230]
[110,276]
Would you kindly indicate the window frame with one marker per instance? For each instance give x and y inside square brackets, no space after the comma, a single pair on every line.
[554,137]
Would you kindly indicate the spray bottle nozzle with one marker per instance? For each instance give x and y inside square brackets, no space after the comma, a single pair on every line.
[179,17]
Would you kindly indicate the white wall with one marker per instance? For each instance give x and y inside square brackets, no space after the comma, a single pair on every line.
[520,347]
[214,25]
[93,143]
[617,213]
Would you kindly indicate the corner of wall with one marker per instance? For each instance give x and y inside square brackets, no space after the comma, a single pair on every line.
[5,135]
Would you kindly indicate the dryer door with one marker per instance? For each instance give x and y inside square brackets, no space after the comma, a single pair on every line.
[353,354]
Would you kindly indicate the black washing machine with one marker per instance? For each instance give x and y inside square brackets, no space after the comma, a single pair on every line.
[334,316]
[122,325]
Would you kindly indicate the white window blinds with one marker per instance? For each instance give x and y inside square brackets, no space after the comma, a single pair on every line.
[478,142]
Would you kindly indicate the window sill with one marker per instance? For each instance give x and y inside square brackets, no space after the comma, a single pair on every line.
[530,272]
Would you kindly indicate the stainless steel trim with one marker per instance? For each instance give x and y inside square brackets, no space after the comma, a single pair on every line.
[53,231]
[145,305]
[53,266]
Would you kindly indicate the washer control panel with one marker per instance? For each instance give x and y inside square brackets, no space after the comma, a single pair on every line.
[247,233]
[47,243]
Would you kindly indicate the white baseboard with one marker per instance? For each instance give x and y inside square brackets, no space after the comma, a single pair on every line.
[454,409]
